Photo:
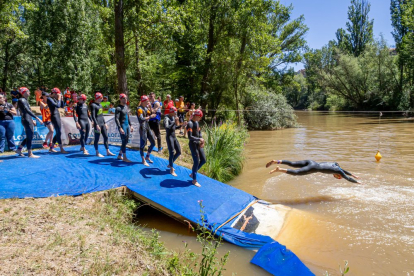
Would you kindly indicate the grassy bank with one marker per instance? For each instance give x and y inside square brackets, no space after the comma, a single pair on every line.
[88,235]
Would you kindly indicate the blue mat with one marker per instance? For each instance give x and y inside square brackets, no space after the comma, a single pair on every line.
[75,174]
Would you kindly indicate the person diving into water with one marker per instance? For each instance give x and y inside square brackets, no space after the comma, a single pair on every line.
[310,166]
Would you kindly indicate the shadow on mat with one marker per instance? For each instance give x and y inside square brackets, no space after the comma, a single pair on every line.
[174,183]
[79,155]
[152,171]
[113,162]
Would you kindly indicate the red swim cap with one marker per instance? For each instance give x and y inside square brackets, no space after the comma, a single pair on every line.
[122,96]
[56,90]
[98,95]
[82,96]
[23,90]
[144,98]
[173,109]
[198,112]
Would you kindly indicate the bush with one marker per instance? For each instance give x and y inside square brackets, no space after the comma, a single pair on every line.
[268,111]
[224,150]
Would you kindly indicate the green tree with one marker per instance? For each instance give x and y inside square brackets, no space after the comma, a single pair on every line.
[358,33]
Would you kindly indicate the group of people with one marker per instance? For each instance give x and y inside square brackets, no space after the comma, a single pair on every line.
[178,115]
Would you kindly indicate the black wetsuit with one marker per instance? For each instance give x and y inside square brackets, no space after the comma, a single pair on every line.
[154,124]
[81,115]
[27,122]
[54,106]
[98,120]
[309,166]
[194,137]
[144,130]
[122,121]
[172,142]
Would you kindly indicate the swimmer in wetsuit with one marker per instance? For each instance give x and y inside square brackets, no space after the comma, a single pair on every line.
[171,121]
[144,114]
[55,102]
[196,144]
[27,122]
[82,117]
[99,124]
[124,126]
[309,166]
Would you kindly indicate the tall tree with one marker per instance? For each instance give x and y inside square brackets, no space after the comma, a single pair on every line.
[120,47]
[359,28]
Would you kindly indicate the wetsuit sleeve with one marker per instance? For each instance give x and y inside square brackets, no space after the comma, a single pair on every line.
[95,121]
[26,107]
[350,179]
[129,121]
[117,115]
[140,114]
[348,173]
[74,114]
[167,123]
[191,137]
[52,102]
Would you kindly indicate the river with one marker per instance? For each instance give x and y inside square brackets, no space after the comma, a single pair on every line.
[369,224]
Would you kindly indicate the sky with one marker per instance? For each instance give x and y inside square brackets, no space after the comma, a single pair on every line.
[325,17]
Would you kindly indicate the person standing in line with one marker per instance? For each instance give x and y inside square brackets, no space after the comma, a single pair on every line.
[144,114]
[82,117]
[7,111]
[99,125]
[38,94]
[154,123]
[196,144]
[188,116]
[55,102]
[27,122]
[47,120]
[171,121]
[124,126]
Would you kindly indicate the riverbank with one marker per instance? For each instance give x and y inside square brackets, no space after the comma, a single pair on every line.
[90,234]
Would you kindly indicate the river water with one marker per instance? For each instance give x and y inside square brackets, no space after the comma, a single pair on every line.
[369,224]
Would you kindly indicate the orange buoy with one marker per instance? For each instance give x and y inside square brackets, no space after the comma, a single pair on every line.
[378,156]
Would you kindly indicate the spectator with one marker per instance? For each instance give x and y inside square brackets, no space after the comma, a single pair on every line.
[14,103]
[15,95]
[75,96]
[111,109]
[4,94]
[69,110]
[7,111]
[67,95]
[168,103]
[181,112]
[38,94]
[105,105]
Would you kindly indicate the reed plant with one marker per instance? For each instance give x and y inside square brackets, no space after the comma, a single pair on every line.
[224,150]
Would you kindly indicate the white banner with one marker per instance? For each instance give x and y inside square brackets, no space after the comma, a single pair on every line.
[69,130]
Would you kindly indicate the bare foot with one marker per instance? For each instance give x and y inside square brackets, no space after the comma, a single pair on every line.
[119,157]
[145,163]
[275,170]
[52,150]
[195,183]
[19,152]
[63,151]
[109,153]
[33,156]
[172,171]
[126,160]
[99,155]
[271,163]
[149,160]
[85,152]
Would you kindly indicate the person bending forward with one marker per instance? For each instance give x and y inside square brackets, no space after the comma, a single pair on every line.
[310,166]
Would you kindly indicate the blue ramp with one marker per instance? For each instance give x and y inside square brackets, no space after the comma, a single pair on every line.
[75,174]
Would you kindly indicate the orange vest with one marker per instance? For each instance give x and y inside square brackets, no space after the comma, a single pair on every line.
[46,116]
